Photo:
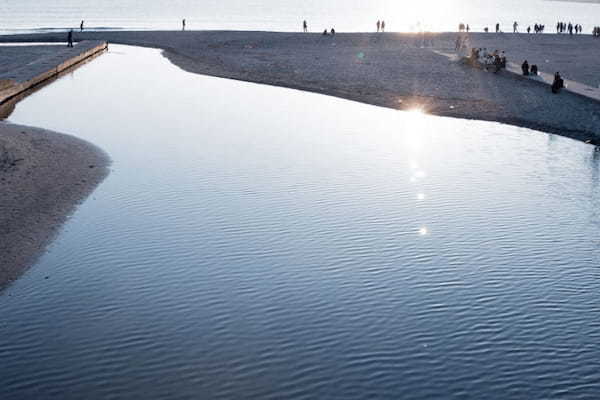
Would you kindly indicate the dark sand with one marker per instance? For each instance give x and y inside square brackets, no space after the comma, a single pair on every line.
[392,70]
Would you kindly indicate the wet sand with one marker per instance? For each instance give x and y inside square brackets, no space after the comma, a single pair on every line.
[391,70]
[43,177]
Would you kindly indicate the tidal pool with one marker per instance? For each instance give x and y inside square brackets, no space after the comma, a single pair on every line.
[260,242]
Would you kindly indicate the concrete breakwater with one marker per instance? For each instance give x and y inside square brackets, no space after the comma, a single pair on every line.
[17,81]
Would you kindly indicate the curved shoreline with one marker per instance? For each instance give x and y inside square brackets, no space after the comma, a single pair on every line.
[392,70]
[44,176]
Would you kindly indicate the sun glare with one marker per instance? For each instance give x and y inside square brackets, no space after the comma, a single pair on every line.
[414,125]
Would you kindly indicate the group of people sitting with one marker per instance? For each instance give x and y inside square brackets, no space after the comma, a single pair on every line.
[481,57]
[596,31]
[332,32]
[557,84]
[527,70]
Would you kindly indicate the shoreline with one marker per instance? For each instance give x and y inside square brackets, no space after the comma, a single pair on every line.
[23,78]
[44,176]
[393,70]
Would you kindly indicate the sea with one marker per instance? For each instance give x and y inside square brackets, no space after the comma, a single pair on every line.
[18,16]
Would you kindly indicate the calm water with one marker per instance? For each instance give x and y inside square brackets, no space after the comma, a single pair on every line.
[260,242]
[286,15]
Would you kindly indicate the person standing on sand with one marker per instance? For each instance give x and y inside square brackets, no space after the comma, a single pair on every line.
[183,24]
[515,27]
[305,26]
[497,27]
[382,26]
[81,26]
[70,38]
[378,25]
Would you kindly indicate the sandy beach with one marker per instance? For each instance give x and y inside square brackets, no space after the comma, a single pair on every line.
[391,70]
[43,177]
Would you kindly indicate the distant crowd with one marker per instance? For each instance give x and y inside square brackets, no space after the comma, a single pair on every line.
[380,28]
[561,27]
[537,28]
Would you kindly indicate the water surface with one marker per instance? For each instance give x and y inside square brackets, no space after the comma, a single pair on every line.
[260,242]
[287,15]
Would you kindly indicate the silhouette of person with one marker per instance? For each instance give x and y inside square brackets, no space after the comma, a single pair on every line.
[81,26]
[468,28]
[378,26]
[325,32]
[183,24]
[305,26]
[70,38]
[515,27]
[558,83]
[497,28]
[382,26]
[534,69]
[525,68]
[332,31]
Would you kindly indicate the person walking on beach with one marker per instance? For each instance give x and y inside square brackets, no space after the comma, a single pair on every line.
[378,25]
[183,24]
[81,26]
[70,38]
[305,26]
